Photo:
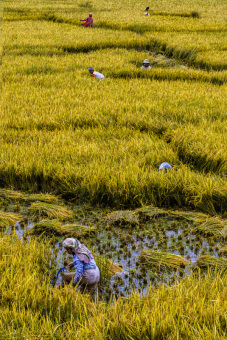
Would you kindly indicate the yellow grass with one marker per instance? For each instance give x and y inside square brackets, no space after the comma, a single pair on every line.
[192,308]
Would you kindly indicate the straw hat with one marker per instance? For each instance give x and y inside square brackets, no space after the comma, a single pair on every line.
[146,61]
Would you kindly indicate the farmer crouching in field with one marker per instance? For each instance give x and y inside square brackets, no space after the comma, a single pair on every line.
[146,65]
[96,74]
[88,21]
[87,272]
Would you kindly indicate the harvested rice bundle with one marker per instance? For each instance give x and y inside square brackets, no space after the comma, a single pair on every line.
[208,261]
[148,213]
[47,198]
[47,228]
[205,224]
[15,195]
[115,268]
[122,218]
[211,226]
[224,250]
[8,219]
[54,227]
[107,267]
[40,210]
[162,260]
[224,233]
[75,230]
[21,196]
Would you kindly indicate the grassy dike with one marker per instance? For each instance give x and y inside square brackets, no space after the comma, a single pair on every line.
[195,308]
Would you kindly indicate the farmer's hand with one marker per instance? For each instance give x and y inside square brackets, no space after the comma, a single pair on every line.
[69,265]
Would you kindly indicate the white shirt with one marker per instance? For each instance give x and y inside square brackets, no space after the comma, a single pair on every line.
[98,75]
[145,68]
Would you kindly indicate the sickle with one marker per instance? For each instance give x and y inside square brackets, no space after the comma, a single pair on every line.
[60,270]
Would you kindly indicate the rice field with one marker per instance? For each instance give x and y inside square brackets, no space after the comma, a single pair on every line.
[159,266]
[80,158]
[129,124]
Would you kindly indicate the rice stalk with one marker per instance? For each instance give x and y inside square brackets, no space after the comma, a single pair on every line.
[46,198]
[40,210]
[205,224]
[11,194]
[76,230]
[208,261]
[122,218]
[107,267]
[8,219]
[151,212]
[162,260]
[31,309]
[54,227]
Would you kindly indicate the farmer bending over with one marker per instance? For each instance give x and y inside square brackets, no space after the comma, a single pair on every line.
[146,65]
[87,272]
[88,21]
[96,74]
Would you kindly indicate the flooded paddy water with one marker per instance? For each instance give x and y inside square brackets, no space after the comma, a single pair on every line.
[149,246]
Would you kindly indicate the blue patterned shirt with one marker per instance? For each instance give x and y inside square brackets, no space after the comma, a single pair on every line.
[81,267]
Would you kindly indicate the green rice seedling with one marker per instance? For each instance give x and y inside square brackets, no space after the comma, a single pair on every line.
[8,219]
[123,218]
[208,261]
[162,260]
[40,210]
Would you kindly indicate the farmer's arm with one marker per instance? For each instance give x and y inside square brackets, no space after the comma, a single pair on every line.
[70,265]
[79,270]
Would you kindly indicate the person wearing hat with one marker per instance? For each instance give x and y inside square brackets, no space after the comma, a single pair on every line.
[96,74]
[87,275]
[88,21]
[146,65]
[146,13]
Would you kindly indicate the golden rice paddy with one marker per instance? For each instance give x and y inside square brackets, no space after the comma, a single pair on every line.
[79,158]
